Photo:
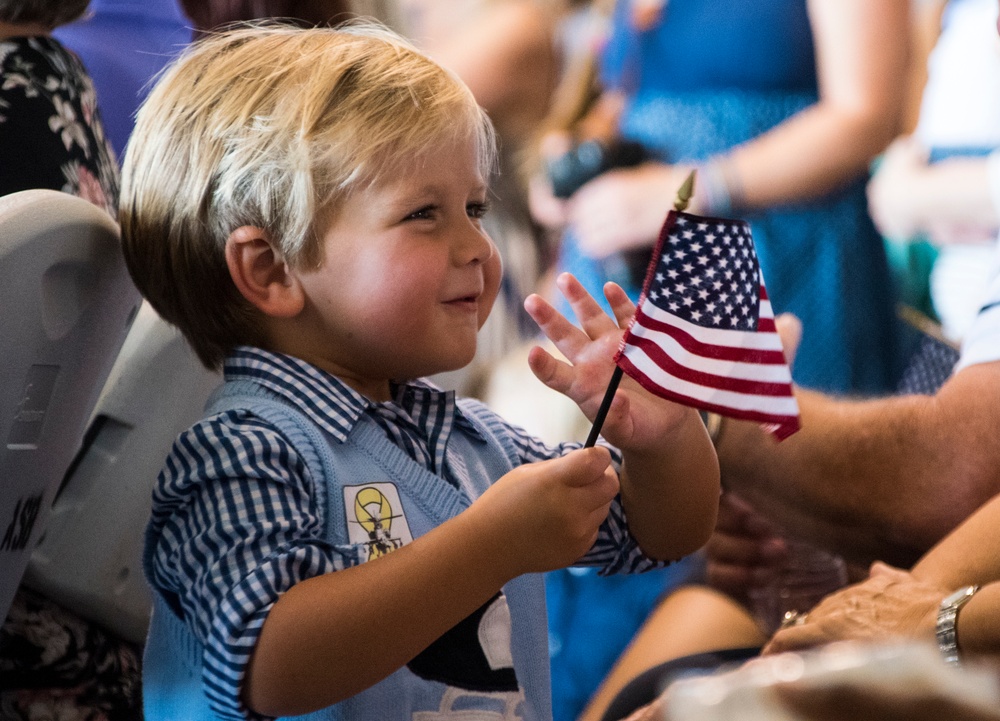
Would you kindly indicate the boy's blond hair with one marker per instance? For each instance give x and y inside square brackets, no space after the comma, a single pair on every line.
[271,126]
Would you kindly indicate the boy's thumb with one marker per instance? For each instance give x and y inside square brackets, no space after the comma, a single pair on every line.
[583,465]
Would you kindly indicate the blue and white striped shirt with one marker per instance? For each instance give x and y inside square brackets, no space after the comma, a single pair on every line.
[235,518]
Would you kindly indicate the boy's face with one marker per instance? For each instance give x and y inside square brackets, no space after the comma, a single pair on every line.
[408,275]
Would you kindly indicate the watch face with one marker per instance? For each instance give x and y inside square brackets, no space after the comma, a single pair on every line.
[962,594]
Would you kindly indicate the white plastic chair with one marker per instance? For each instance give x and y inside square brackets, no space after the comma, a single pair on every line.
[67,303]
[90,560]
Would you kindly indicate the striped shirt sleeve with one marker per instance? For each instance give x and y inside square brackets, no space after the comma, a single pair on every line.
[615,550]
[235,524]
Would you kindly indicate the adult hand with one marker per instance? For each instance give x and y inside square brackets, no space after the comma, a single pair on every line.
[848,702]
[745,552]
[789,329]
[624,208]
[890,604]
[890,191]
[546,209]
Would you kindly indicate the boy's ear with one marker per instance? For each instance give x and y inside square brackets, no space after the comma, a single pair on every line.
[261,274]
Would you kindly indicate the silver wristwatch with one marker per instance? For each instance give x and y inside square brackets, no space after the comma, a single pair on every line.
[947,619]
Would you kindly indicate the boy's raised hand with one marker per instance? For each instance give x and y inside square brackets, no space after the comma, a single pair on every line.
[636,419]
[546,515]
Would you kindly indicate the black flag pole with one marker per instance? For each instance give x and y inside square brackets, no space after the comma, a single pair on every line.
[684,194]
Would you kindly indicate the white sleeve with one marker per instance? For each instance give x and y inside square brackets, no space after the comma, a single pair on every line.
[982,341]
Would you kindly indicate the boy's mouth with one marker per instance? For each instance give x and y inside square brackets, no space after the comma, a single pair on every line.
[469,301]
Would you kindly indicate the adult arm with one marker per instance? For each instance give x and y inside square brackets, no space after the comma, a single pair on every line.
[861,58]
[871,479]
[952,200]
[971,555]
[861,63]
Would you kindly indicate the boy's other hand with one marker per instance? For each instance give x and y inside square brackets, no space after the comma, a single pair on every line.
[637,420]
[546,515]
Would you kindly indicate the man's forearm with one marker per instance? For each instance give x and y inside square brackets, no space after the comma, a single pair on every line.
[883,478]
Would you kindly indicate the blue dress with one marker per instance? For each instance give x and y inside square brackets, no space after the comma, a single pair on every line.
[711,75]
[716,73]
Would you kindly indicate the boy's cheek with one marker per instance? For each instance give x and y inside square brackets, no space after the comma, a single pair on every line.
[492,271]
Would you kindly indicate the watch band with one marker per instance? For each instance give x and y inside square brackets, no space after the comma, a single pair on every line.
[947,622]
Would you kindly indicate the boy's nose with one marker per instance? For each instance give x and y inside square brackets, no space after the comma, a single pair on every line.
[474,246]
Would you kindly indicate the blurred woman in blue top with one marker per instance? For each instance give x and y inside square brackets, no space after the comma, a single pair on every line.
[781,105]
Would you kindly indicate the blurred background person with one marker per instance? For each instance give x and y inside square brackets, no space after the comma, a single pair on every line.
[781,105]
[51,132]
[936,193]
[208,15]
[124,44]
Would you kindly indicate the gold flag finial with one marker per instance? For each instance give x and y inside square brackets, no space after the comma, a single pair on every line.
[685,192]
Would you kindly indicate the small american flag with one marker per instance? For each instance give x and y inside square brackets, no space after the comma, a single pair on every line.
[704,333]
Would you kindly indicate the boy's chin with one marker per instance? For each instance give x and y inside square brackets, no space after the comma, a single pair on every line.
[447,366]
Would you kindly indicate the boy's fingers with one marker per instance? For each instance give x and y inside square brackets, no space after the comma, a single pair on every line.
[621,305]
[584,466]
[553,373]
[566,336]
[591,316]
[789,330]
[593,483]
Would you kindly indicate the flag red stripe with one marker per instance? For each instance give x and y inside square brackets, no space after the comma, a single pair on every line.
[708,350]
[785,423]
[709,380]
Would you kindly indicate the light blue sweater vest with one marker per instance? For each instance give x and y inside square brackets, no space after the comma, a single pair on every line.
[172,671]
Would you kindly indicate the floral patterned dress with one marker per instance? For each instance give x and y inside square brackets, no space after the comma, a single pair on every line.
[51,135]
[54,665]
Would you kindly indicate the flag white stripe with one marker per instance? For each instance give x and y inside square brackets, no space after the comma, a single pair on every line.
[715,336]
[767,373]
[771,405]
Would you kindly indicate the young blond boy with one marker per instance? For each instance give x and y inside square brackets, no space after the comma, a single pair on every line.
[338,536]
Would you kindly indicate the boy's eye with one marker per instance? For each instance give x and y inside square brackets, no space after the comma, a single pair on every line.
[477,210]
[425,213]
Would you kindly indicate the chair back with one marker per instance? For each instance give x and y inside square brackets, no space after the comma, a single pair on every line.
[90,560]
[67,303]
